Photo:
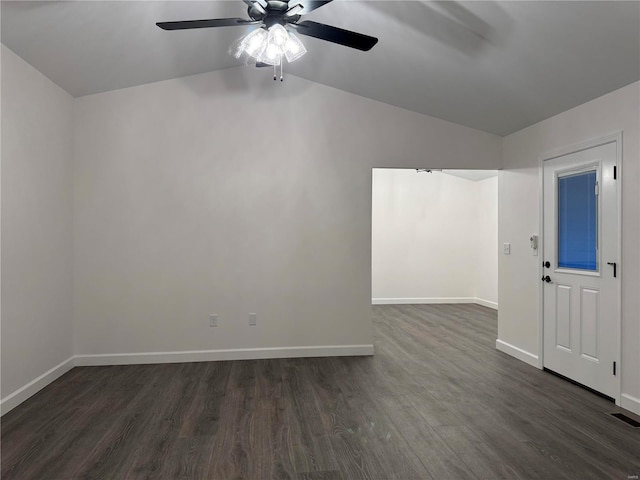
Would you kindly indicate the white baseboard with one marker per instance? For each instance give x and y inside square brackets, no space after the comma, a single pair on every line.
[34,386]
[16,398]
[416,301]
[630,403]
[217,355]
[486,303]
[428,300]
[518,353]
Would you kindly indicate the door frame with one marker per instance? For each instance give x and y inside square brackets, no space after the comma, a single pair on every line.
[616,138]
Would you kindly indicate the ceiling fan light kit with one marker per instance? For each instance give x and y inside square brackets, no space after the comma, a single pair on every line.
[270,46]
[273,41]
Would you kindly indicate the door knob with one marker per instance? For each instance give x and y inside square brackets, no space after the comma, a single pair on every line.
[546,278]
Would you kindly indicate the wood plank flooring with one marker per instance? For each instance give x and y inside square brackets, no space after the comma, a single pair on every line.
[437,401]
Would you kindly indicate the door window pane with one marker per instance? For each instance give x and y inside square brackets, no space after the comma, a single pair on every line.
[577,221]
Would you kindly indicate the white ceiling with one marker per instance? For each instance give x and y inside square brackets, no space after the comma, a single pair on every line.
[495,66]
[472,175]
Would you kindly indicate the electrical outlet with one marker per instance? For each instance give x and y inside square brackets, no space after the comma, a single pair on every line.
[506,249]
[213,320]
[253,317]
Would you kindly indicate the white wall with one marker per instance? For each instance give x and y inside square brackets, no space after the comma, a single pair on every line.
[519,285]
[229,193]
[434,238]
[37,203]
[486,279]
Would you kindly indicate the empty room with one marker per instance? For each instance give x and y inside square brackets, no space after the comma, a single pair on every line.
[434,237]
[238,240]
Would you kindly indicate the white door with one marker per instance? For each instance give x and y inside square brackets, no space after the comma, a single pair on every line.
[581,279]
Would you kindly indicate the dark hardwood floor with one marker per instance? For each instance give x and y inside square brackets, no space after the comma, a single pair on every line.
[437,401]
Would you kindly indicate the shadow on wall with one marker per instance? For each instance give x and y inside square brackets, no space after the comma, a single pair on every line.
[466,29]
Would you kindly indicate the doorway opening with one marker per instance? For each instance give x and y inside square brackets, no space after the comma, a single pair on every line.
[434,236]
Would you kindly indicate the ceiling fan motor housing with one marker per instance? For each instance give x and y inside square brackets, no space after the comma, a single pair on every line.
[273,13]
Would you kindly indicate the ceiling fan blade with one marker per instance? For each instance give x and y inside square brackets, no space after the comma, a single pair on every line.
[214,22]
[257,5]
[336,35]
[262,64]
[308,5]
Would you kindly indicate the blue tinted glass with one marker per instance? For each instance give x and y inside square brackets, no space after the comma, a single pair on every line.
[577,221]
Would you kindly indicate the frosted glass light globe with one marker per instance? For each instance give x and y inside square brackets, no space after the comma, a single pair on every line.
[278,35]
[254,43]
[294,48]
[272,55]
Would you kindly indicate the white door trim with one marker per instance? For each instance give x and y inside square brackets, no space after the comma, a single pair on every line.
[615,137]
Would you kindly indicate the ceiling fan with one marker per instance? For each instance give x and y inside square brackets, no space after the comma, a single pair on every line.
[273,40]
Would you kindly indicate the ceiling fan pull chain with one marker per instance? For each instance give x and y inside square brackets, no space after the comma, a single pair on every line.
[281,67]
[274,72]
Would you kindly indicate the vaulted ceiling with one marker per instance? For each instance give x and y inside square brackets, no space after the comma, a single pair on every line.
[495,66]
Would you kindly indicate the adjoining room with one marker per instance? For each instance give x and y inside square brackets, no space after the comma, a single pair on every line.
[435,236]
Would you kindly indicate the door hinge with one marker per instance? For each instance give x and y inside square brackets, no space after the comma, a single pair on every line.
[615,172]
[614,368]
[597,190]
